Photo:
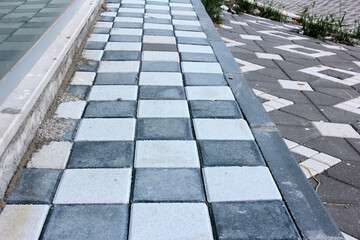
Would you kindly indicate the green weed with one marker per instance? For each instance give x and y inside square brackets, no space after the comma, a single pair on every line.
[213,9]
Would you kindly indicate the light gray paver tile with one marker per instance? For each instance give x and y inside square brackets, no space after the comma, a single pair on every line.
[166,154]
[92,54]
[98,38]
[22,221]
[326,159]
[72,110]
[201,67]
[159,39]
[123,46]
[131,10]
[113,92]
[295,85]
[316,167]
[126,31]
[170,221]
[160,56]
[194,48]
[222,129]
[94,186]
[190,34]
[119,66]
[163,108]
[106,129]
[186,22]
[183,13]
[158,26]
[269,56]
[129,19]
[158,16]
[54,156]
[209,93]
[250,37]
[83,78]
[156,7]
[161,78]
[225,184]
[336,130]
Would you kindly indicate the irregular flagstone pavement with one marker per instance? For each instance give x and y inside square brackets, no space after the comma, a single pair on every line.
[311,91]
[165,141]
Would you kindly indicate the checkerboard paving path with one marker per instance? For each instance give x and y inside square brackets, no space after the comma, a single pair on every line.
[161,151]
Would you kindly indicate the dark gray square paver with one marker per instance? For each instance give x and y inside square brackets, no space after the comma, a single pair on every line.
[160,67]
[214,109]
[107,109]
[87,222]
[91,66]
[162,93]
[102,155]
[95,45]
[193,41]
[121,55]
[159,47]
[168,184]
[35,186]
[204,79]
[79,91]
[130,14]
[127,25]
[157,20]
[116,79]
[124,38]
[253,220]
[158,32]
[101,30]
[230,153]
[163,129]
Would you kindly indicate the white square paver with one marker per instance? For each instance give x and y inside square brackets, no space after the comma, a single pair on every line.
[317,71]
[186,22]
[295,85]
[161,78]
[71,110]
[163,109]
[248,66]
[239,23]
[92,54]
[126,31]
[194,48]
[184,221]
[336,130]
[250,37]
[304,151]
[183,13]
[109,14]
[113,92]
[160,56]
[166,154]
[190,34]
[123,46]
[119,66]
[209,93]
[131,10]
[106,129]
[159,39]
[54,156]
[182,5]
[290,144]
[78,186]
[129,19]
[269,56]
[83,78]
[224,184]
[156,7]
[326,159]
[22,222]
[315,167]
[103,25]
[133,2]
[316,52]
[201,67]
[283,35]
[158,16]
[98,38]
[158,26]
[222,129]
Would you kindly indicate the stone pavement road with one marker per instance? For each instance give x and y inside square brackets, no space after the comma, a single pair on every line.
[311,91]
[150,142]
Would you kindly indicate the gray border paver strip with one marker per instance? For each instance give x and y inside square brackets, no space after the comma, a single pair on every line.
[148,196]
[313,100]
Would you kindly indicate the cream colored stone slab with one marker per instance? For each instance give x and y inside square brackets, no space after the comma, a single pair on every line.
[163,109]
[54,156]
[209,93]
[113,92]
[166,154]
[161,78]
[226,184]
[160,56]
[336,130]
[119,66]
[159,39]
[94,186]
[22,222]
[71,110]
[201,67]
[83,78]
[123,46]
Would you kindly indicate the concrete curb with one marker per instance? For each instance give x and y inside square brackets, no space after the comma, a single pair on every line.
[23,111]
[306,209]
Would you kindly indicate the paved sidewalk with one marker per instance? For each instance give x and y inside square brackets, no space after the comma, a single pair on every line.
[150,142]
[311,90]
